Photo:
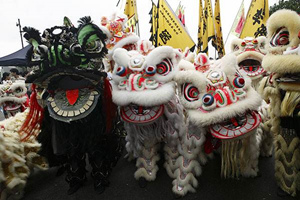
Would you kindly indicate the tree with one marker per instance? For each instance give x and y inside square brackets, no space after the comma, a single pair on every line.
[289,4]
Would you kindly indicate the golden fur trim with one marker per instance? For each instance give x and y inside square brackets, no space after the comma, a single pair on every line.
[282,64]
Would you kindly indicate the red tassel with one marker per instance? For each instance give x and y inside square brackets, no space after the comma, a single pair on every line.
[34,118]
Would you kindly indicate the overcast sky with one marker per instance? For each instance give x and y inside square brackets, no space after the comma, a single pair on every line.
[43,14]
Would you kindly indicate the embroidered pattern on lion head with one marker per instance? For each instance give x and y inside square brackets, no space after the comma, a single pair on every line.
[144,82]
[69,67]
[13,97]
[221,102]
[250,53]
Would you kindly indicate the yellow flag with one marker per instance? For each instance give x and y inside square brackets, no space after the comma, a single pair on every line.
[153,23]
[131,12]
[170,30]
[200,42]
[257,17]
[208,26]
[218,41]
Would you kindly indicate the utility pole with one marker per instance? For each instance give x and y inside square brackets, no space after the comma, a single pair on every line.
[20,29]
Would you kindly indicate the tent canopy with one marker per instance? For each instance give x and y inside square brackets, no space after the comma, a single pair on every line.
[17,58]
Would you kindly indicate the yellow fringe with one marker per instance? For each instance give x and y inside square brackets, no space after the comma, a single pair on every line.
[230,164]
[289,103]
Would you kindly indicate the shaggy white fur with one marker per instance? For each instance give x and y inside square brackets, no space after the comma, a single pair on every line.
[17,157]
[149,97]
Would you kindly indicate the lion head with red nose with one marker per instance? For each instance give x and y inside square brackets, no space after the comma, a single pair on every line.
[219,97]
[250,53]
[143,83]
[13,97]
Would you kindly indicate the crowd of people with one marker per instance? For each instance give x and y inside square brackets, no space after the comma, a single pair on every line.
[13,75]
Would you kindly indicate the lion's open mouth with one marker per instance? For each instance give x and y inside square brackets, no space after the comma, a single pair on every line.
[140,114]
[11,106]
[72,105]
[252,67]
[236,127]
[289,78]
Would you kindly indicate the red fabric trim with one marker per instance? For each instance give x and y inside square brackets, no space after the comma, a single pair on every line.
[34,118]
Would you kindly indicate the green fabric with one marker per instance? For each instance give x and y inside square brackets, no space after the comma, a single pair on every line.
[52,51]
[59,52]
[34,43]
[83,32]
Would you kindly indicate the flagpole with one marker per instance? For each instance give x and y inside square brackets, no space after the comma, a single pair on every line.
[138,23]
[156,30]
[234,21]
[138,29]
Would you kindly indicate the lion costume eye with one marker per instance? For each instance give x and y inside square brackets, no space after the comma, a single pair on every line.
[165,67]
[208,100]
[18,90]
[94,46]
[239,82]
[280,38]
[91,45]
[191,93]
[150,70]
[121,71]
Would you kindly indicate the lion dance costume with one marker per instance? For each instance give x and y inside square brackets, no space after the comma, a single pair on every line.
[221,110]
[250,53]
[17,156]
[145,91]
[282,89]
[79,117]
[13,97]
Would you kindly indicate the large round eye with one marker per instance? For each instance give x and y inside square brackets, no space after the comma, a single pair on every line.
[91,45]
[208,99]
[239,82]
[191,93]
[94,46]
[280,38]
[18,90]
[165,67]
[121,71]
[150,70]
